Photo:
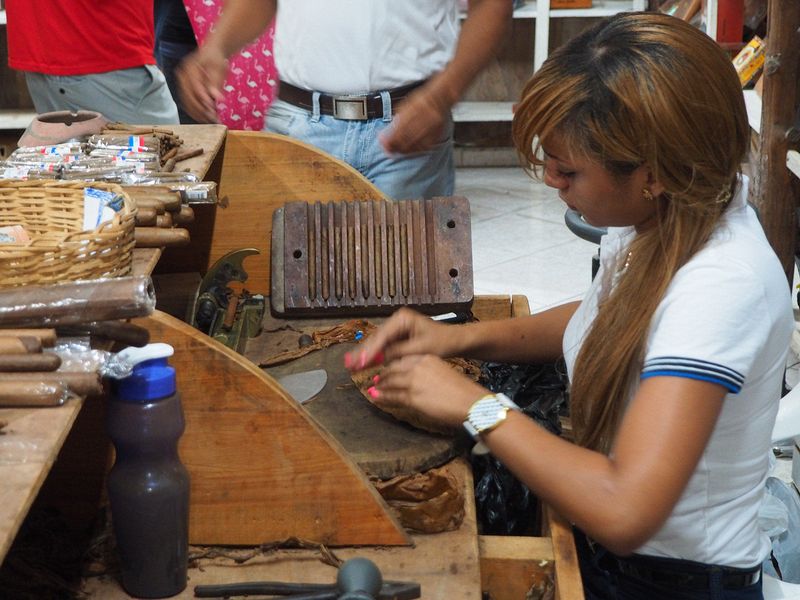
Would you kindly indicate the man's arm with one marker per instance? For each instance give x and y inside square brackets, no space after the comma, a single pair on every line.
[202,74]
[419,120]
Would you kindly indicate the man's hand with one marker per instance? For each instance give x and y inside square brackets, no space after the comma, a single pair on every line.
[201,76]
[418,123]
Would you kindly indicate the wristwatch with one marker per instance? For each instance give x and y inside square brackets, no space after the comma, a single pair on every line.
[487,413]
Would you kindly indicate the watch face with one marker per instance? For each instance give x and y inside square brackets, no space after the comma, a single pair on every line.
[487,413]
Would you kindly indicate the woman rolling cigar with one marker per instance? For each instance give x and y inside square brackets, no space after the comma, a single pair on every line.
[675,355]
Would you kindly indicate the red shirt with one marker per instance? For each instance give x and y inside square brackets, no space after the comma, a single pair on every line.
[78,37]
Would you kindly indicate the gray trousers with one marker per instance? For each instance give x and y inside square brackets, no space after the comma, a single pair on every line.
[139,95]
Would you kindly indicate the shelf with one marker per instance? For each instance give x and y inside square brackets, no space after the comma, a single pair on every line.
[600,8]
[471,112]
[16,119]
[793,162]
[752,102]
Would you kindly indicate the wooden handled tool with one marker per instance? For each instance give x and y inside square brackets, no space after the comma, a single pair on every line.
[156,237]
[45,361]
[36,393]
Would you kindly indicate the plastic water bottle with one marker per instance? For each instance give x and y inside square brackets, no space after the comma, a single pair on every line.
[148,486]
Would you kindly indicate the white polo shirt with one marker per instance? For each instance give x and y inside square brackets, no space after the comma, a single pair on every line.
[356,46]
[726,318]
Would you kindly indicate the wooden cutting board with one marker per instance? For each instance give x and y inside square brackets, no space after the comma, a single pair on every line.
[380,444]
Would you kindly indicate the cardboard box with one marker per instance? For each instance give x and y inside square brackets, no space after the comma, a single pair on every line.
[750,60]
[680,9]
[570,4]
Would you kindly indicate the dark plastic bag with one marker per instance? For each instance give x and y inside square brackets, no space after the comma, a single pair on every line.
[504,505]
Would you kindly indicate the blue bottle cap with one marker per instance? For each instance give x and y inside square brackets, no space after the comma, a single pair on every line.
[151,380]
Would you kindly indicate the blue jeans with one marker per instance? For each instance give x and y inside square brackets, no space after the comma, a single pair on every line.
[401,177]
[602,580]
[168,56]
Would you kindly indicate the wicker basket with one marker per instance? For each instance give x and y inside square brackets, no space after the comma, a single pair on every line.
[60,250]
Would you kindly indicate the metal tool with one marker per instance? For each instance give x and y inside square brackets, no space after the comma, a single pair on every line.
[358,579]
[223,308]
[304,386]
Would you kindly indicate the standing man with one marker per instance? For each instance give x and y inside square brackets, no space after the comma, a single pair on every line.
[89,55]
[371,82]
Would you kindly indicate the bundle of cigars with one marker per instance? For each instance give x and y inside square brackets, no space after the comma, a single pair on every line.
[38,324]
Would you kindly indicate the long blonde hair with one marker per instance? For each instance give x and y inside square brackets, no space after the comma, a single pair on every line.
[639,89]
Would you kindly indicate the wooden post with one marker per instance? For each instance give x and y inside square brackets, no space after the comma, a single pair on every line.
[773,189]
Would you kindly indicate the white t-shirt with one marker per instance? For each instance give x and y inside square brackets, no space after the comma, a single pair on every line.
[356,46]
[726,317]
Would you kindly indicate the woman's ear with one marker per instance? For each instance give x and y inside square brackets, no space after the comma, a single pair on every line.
[654,186]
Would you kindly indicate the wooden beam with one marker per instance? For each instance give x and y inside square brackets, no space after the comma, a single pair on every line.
[773,191]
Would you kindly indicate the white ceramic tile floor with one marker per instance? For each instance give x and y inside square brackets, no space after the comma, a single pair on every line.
[520,244]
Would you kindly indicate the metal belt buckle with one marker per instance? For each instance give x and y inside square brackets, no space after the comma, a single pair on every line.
[350,108]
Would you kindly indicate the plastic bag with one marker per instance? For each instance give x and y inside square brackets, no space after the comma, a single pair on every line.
[785,560]
[504,505]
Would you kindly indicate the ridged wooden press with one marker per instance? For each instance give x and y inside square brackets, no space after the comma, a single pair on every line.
[370,257]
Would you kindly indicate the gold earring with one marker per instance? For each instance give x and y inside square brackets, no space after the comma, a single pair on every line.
[648,196]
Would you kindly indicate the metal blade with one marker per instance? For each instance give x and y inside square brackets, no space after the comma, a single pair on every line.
[304,386]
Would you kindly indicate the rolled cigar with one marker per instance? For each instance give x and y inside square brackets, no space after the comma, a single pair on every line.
[46,336]
[164,221]
[77,301]
[146,215]
[188,154]
[116,331]
[45,361]
[184,216]
[156,237]
[36,393]
[143,203]
[169,165]
[20,345]
[171,153]
[169,200]
[78,382]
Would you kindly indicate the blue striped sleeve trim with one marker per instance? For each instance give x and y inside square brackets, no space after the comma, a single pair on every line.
[676,366]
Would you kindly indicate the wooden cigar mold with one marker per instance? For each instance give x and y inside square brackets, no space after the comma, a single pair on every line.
[370,257]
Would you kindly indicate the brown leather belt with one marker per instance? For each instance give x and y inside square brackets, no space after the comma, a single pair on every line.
[347,107]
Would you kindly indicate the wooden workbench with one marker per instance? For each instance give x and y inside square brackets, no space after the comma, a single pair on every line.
[32,438]
[259,175]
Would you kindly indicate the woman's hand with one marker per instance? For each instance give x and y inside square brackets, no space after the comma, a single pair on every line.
[405,333]
[427,385]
